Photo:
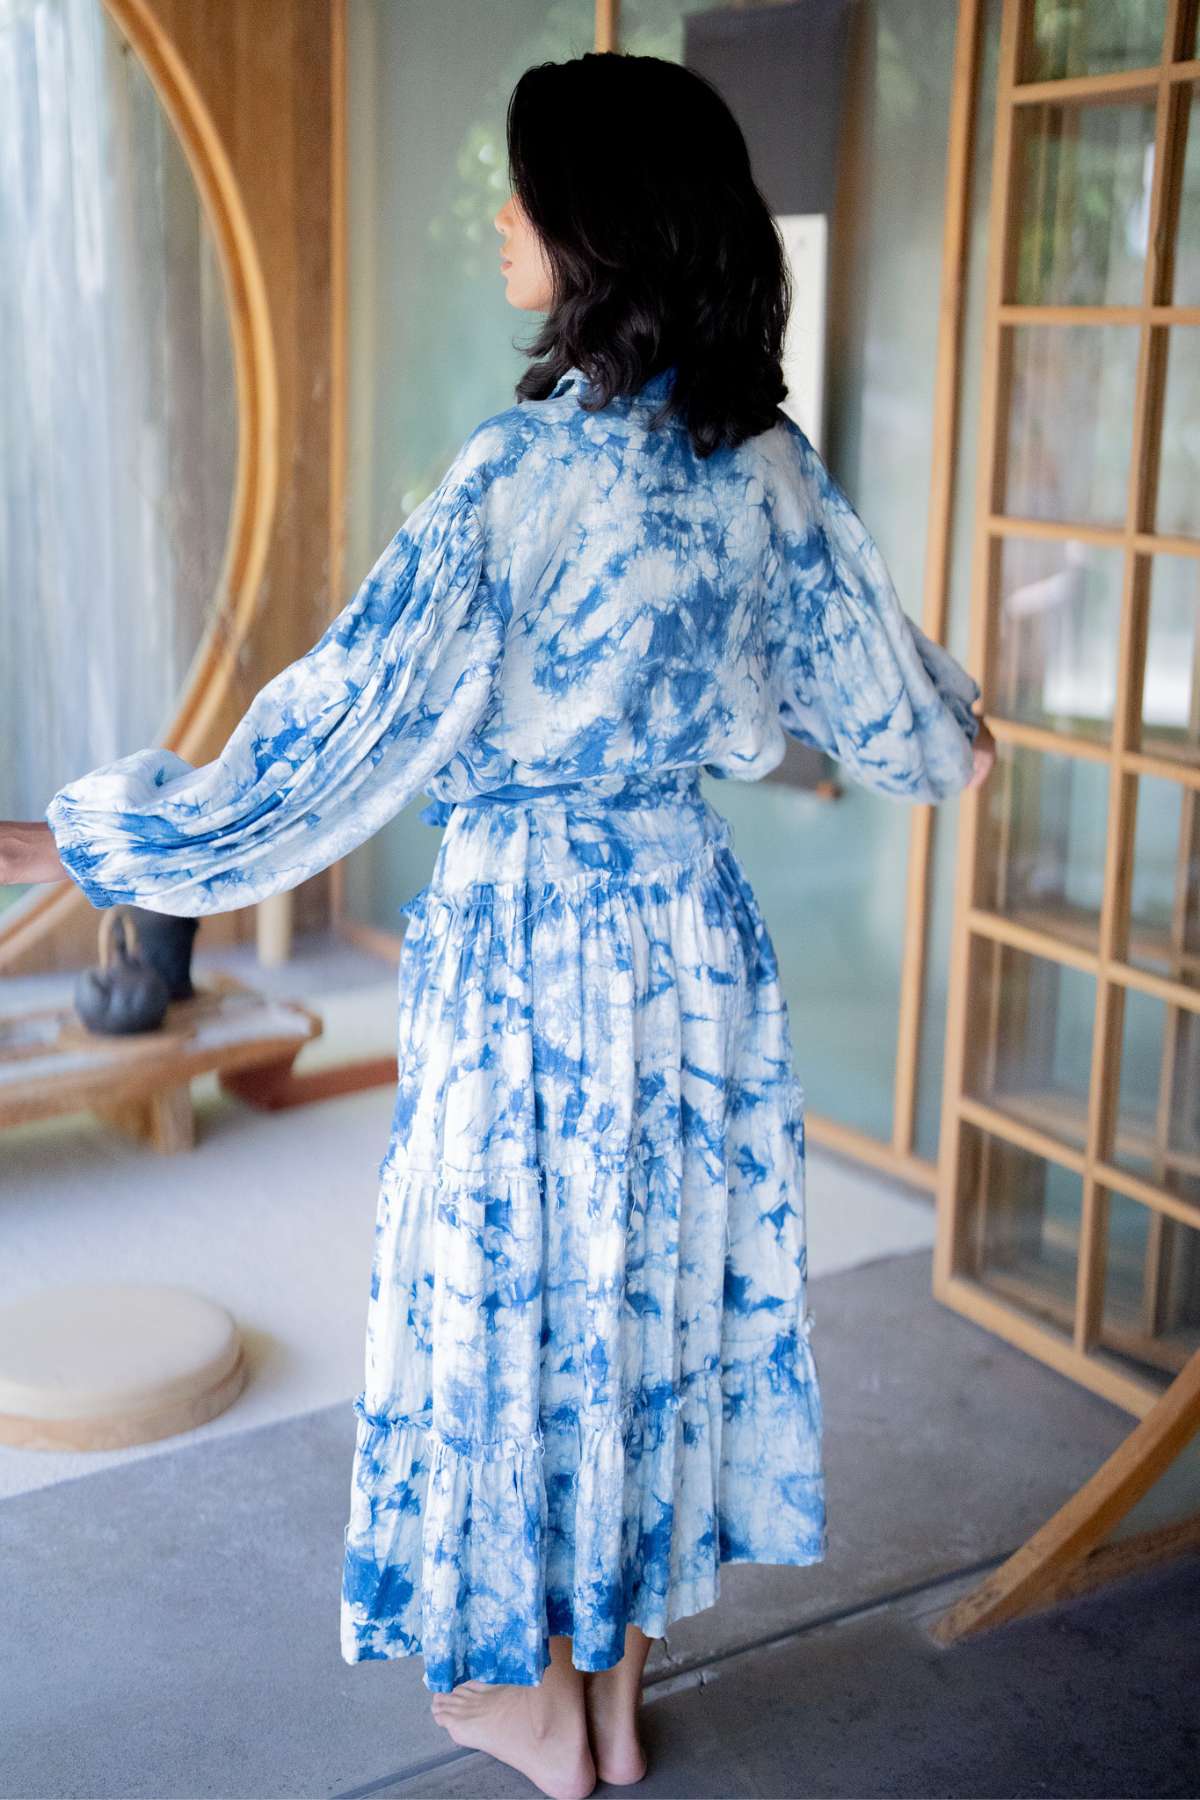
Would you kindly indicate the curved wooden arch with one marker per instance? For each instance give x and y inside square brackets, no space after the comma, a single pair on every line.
[256,483]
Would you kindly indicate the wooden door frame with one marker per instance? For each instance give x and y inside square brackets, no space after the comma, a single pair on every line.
[1078,1352]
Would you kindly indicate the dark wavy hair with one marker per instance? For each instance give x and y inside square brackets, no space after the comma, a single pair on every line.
[635,175]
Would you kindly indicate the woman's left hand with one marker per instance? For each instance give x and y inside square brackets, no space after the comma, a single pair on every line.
[985,754]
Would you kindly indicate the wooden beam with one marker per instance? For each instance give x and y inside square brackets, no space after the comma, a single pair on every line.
[1099,90]
[339,328]
[1135,1554]
[953,1219]
[608,25]
[938,536]
[1021,313]
[1041,1565]
[1109,1013]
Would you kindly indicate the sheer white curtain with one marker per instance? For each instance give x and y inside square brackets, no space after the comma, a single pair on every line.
[117,403]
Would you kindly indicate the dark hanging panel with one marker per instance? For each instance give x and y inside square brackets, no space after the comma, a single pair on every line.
[782,72]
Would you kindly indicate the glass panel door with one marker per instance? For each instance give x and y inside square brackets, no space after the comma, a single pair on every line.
[1071,1165]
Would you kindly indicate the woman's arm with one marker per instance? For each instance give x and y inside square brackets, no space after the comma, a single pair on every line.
[326,753]
[853,674]
[28,853]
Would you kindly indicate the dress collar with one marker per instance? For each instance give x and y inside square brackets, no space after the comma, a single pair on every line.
[573,378]
[651,393]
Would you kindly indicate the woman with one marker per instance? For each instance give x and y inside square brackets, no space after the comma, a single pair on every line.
[589,1377]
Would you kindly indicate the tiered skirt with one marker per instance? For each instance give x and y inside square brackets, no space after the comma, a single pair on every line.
[589,1378]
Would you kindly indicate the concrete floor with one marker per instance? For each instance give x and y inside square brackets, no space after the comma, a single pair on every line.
[169,1627]
[1097,1699]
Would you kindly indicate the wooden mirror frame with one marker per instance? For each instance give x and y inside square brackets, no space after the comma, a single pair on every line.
[53,907]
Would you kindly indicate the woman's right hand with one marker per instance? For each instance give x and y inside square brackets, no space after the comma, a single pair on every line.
[985,754]
[28,853]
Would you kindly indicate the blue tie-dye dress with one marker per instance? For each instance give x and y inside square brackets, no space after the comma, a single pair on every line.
[589,1379]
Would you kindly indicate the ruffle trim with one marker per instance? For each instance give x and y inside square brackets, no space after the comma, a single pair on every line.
[648,1413]
[589,1159]
[790,1357]
[454,1550]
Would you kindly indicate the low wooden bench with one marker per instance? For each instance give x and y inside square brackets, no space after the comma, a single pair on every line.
[51,1063]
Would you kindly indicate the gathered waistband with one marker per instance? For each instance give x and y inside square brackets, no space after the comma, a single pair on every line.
[656,788]
[504,845]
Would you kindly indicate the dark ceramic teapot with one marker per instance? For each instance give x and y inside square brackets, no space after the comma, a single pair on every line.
[125,993]
[166,943]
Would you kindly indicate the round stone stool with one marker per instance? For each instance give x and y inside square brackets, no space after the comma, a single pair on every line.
[102,1366]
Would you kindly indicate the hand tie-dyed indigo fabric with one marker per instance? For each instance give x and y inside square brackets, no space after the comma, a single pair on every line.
[589,1376]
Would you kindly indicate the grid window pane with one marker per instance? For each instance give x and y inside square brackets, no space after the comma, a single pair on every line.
[1092,37]
[1151,1311]
[1157,1135]
[1059,627]
[1171,687]
[1186,287]
[1084,174]
[1070,423]
[1178,510]
[1030,1043]
[1164,909]
[1042,857]
[1022,1225]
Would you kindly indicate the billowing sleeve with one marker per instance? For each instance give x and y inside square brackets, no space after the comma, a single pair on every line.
[329,750]
[853,674]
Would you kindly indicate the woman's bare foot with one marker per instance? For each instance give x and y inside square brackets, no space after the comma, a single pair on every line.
[613,1699]
[542,1731]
